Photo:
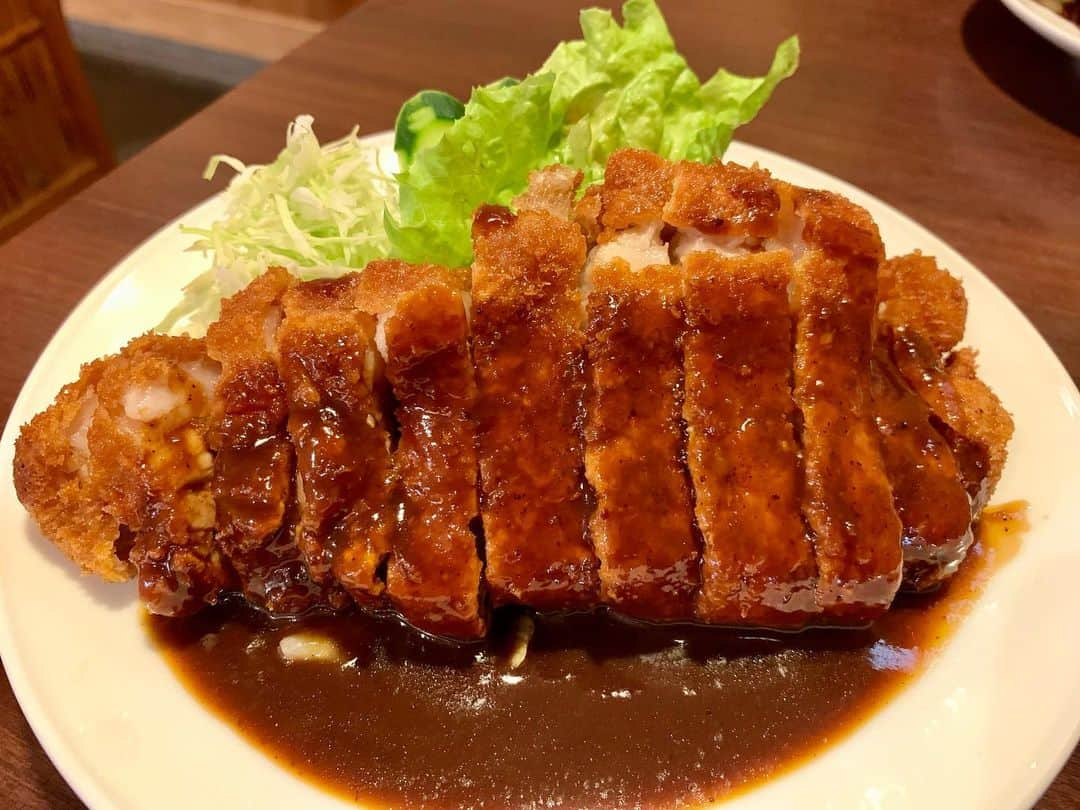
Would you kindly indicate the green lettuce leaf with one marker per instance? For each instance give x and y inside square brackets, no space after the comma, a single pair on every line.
[619,86]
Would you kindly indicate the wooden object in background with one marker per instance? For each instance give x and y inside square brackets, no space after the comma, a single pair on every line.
[51,140]
[321,10]
[210,24]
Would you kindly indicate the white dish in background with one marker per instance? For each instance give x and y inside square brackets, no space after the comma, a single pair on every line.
[988,724]
[1048,24]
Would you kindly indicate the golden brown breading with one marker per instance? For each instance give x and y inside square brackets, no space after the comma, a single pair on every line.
[587,213]
[922,308]
[528,345]
[848,499]
[758,564]
[329,365]
[434,573]
[928,491]
[642,523]
[550,189]
[637,184]
[53,479]
[153,468]
[840,228]
[918,295]
[379,285]
[723,198]
[983,418]
[254,462]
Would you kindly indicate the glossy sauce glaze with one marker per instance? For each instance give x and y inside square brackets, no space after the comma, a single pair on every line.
[599,713]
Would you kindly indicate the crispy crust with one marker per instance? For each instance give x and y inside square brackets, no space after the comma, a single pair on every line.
[642,523]
[723,198]
[329,365]
[550,189]
[637,185]
[54,483]
[848,499]
[928,490]
[528,345]
[254,465]
[149,432]
[434,574]
[587,213]
[983,419]
[758,565]
[379,285]
[840,228]
[922,309]
[918,295]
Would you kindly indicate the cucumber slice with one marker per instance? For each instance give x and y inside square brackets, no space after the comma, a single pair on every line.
[422,120]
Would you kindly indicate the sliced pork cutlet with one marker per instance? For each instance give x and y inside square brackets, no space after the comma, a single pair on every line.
[528,348]
[54,479]
[329,365]
[848,499]
[642,523]
[922,310]
[642,526]
[928,492]
[254,459]
[433,577]
[153,469]
[758,565]
[928,485]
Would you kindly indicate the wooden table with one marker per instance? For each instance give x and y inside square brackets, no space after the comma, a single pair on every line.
[951,111]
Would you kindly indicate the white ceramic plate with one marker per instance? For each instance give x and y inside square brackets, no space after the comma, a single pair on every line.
[1047,24]
[987,725]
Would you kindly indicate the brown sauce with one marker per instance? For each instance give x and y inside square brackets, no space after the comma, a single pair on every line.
[598,713]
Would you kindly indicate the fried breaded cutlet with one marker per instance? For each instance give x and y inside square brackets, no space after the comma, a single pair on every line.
[690,393]
[254,461]
[54,480]
[150,426]
[330,365]
[922,310]
[117,472]
[528,349]
[434,573]
[732,213]
[758,565]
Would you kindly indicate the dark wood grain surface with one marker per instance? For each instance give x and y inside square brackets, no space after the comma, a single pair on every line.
[950,110]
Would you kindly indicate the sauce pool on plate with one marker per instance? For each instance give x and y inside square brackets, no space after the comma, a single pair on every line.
[598,712]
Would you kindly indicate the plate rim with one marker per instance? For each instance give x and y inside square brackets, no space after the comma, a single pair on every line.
[62,754]
[1048,24]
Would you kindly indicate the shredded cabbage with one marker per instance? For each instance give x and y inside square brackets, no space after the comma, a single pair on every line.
[317,210]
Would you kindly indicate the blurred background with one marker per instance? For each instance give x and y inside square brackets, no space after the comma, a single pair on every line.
[85,84]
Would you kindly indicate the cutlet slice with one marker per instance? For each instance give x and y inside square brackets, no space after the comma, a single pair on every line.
[254,461]
[152,468]
[758,564]
[54,480]
[329,365]
[528,347]
[433,576]
[642,524]
[922,310]
[928,493]
[847,499]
